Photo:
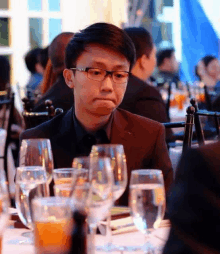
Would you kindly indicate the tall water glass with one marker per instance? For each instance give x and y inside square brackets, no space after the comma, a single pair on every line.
[115,152]
[52,225]
[4,204]
[147,201]
[27,178]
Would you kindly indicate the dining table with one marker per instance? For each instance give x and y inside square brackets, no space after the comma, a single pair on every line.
[128,241]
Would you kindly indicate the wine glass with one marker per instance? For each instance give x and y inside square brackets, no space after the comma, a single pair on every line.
[93,192]
[28,178]
[119,168]
[37,152]
[4,204]
[147,201]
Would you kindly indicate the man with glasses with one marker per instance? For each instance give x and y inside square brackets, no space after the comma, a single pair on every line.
[98,64]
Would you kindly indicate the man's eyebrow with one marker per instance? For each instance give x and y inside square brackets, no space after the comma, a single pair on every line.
[101,64]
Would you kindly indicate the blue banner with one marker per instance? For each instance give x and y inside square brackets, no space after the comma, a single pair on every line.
[198,37]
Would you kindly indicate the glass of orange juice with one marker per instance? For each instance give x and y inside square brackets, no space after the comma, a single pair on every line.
[52,224]
[64,179]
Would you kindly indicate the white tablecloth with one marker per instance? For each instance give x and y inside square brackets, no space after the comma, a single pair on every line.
[12,237]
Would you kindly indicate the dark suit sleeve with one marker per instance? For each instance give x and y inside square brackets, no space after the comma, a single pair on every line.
[194,208]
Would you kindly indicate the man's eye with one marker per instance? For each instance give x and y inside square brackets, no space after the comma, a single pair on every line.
[95,72]
[120,75]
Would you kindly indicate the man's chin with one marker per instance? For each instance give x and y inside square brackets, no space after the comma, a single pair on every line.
[103,111]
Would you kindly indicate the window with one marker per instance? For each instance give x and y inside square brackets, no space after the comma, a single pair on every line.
[54,5]
[4,4]
[168,3]
[55,27]
[35,28]
[4,25]
[35,5]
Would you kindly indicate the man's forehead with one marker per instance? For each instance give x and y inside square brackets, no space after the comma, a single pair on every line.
[101,55]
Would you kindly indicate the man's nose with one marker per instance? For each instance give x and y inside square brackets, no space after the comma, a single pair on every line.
[107,83]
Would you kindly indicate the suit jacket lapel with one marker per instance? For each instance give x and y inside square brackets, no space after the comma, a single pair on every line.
[63,143]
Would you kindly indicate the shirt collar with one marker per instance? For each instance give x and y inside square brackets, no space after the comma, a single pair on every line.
[81,132]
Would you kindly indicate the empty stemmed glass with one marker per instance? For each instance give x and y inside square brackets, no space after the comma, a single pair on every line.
[147,201]
[27,178]
[93,192]
[115,152]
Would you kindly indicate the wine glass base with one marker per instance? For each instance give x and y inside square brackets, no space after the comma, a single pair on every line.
[29,238]
[114,247]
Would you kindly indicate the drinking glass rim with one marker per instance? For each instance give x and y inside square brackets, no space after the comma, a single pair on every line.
[68,170]
[146,171]
[51,201]
[108,145]
[30,168]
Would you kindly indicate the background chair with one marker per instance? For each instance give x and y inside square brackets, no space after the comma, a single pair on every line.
[201,134]
[188,128]
[6,118]
[32,119]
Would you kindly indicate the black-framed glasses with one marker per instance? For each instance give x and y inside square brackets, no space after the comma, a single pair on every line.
[100,74]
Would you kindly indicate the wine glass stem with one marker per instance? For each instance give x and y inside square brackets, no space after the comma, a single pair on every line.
[147,249]
[108,230]
[91,240]
[27,207]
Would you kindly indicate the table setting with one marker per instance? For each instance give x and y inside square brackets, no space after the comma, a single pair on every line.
[42,223]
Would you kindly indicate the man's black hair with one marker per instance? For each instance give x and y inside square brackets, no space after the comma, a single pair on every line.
[4,72]
[104,34]
[162,54]
[31,59]
[207,59]
[142,40]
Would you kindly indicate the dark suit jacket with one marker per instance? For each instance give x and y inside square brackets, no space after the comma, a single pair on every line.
[60,95]
[143,140]
[194,206]
[145,100]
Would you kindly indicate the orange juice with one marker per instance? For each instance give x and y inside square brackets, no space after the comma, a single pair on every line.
[52,236]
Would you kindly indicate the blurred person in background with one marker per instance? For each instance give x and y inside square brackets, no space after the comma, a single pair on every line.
[43,59]
[208,71]
[167,67]
[36,69]
[18,123]
[194,209]
[53,86]
[141,98]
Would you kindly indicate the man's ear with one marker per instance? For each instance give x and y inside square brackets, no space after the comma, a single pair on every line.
[143,61]
[69,77]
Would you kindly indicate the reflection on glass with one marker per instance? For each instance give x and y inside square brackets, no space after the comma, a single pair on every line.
[4,33]
[4,4]
[35,28]
[54,5]
[55,27]
[34,5]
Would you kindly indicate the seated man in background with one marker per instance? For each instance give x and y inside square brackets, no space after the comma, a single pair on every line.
[59,93]
[98,61]
[194,207]
[141,98]
[35,68]
[167,67]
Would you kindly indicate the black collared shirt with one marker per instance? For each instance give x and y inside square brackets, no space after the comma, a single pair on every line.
[85,140]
